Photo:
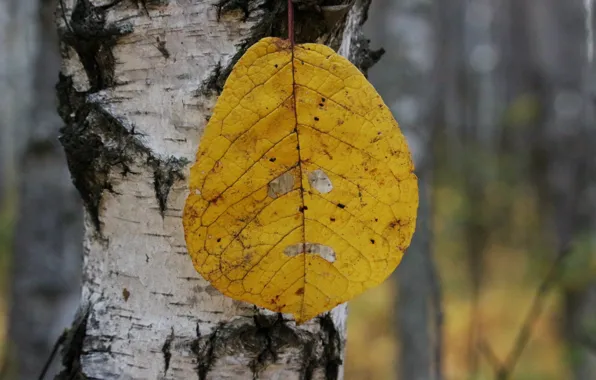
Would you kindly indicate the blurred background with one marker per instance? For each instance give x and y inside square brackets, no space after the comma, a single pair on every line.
[496,98]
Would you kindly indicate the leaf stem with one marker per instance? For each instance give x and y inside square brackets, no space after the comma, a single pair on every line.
[291,22]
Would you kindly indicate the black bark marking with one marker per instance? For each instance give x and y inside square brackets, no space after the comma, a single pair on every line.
[309,361]
[165,173]
[93,39]
[309,26]
[264,340]
[165,349]
[213,85]
[204,348]
[364,58]
[161,46]
[73,346]
[227,6]
[324,350]
[148,4]
[153,3]
[332,347]
[96,143]
[270,336]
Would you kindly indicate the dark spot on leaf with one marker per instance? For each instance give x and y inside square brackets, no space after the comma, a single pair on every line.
[125,294]
[218,240]
[376,219]
[322,99]
[298,147]
[272,159]
[332,219]
[341,205]
[276,65]
[316,118]
[372,241]
[321,104]
[395,223]
[300,292]
[303,208]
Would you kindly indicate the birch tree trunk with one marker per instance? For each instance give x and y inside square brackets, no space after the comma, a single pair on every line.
[138,82]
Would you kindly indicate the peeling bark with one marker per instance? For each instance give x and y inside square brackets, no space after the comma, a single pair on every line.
[138,82]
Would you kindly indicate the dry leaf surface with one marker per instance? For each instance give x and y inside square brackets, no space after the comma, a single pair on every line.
[303,194]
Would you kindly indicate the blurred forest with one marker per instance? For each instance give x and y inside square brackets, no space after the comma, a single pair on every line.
[496,98]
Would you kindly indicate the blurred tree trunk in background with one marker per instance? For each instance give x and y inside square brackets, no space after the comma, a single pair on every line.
[45,269]
[406,77]
[513,111]
[566,159]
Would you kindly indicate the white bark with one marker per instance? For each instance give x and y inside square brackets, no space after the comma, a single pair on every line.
[132,129]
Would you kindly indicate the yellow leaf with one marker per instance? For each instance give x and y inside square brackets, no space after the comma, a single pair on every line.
[303,194]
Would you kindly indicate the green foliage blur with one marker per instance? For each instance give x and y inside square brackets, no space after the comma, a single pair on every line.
[6,220]
[493,246]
